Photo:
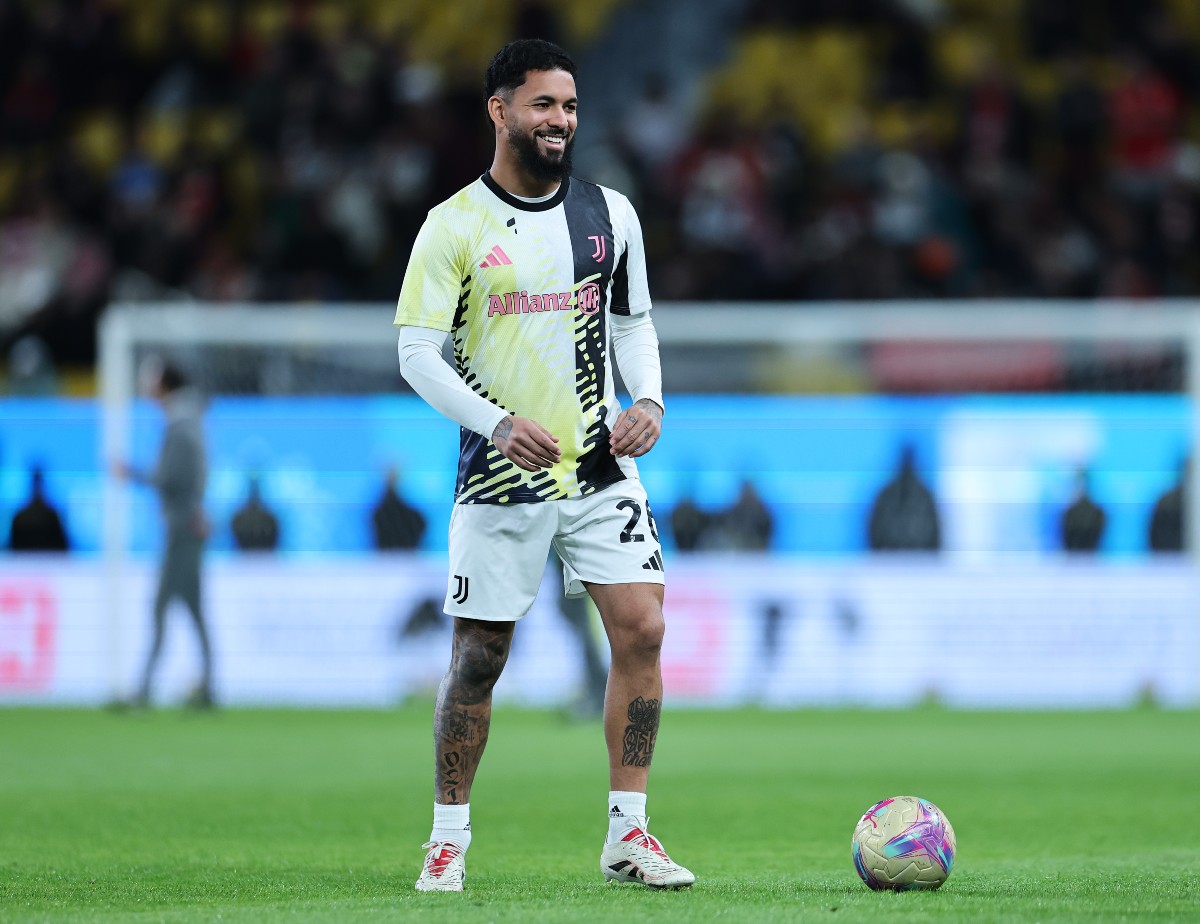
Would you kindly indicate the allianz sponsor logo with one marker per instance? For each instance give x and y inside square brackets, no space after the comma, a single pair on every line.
[586,297]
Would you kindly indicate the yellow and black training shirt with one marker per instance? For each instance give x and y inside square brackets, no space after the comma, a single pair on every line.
[525,289]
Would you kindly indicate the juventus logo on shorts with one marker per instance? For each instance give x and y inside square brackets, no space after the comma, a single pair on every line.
[461,588]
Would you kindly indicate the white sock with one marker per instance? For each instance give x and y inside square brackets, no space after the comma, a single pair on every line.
[626,811]
[452,823]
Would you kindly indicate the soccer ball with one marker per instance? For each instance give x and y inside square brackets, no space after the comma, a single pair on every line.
[903,843]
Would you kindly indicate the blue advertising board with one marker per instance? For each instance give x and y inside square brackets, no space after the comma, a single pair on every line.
[1001,468]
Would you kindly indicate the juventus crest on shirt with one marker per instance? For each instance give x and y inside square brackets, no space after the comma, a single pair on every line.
[525,290]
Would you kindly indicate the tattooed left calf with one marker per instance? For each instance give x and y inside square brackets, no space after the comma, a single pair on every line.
[640,733]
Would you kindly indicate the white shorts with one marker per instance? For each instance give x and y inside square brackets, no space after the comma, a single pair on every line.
[498,551]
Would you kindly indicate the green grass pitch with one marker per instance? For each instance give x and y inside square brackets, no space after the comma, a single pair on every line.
[263,816]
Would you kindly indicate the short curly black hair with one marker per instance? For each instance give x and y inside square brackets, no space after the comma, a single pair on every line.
[516,59]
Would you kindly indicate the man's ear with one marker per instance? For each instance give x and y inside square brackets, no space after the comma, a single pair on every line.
[496,110]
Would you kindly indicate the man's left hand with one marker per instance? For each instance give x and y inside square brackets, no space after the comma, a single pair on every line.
[637,429]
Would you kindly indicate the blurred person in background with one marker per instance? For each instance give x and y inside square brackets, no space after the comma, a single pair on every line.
[577,612]
[533,271]
[1083,521]
[31,370]
[652,132]
[395,523]
[690,525]
[254,525]
[179,477]
[904,515]
[720,180]
[747,522]
[140,160]
[1078,127]
[37,246]
[1145,110]
[37,526]
[1168,517]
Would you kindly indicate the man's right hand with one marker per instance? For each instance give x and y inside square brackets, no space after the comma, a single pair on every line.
[526,443]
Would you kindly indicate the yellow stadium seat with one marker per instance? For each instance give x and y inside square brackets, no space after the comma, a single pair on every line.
[391,19]
[215,130]
[330,20]
[10,178]
[959,51]
[816,77]
[266,20]
[1040,82]
[98,138]
[208,26]
[896,125]
[162,136]
[1185,15]
[244,174]
[145,28]
[996,11]
[584,22]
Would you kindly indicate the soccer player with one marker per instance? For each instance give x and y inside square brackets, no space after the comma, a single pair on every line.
[538,278]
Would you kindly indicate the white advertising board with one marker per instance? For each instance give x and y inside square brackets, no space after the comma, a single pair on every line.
[741,629]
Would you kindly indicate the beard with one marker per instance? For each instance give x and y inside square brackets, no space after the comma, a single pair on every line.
[537,164]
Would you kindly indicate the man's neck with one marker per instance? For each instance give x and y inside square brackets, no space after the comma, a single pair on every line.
[517,182]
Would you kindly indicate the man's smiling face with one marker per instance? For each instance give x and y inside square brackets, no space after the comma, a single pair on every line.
[541,124]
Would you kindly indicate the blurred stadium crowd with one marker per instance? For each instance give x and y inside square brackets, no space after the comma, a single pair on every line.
[287,150]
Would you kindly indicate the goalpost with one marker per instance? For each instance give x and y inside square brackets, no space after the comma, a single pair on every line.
[283,350]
